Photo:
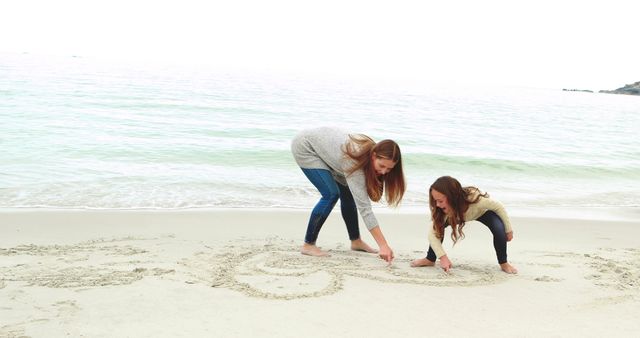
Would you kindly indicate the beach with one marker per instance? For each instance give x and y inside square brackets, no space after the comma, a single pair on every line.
[238,273]
[148,184]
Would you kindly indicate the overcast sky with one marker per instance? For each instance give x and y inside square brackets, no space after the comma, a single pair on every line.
[556,44]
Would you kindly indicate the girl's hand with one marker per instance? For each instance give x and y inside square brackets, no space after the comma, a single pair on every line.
[509,236]
[445,263]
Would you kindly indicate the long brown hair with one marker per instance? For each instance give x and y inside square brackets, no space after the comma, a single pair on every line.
[459,199]
[361,148]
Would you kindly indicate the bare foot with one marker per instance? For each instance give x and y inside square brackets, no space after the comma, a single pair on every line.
[360,245]
[506,267]
[312,250]
[421,262]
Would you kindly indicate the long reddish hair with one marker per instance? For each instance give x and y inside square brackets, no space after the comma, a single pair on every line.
[459,199]
[361,149]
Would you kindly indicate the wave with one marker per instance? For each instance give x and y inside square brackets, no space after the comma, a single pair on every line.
[531,167]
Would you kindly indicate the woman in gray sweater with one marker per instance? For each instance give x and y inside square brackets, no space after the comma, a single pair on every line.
[355,170]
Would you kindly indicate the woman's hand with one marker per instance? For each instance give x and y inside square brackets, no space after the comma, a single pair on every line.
[445,263]
[386,253]
[509,236]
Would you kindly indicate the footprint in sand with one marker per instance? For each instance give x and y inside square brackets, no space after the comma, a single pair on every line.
[546,278]
[615,268]
[12,331]
[608,267]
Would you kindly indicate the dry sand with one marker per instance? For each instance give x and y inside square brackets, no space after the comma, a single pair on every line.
[239,273]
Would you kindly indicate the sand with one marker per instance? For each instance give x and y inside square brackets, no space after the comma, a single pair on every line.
[239,273]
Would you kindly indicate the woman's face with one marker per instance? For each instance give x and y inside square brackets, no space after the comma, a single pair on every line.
[382,165]
[441,200]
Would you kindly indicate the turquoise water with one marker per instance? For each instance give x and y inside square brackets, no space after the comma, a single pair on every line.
[77,133]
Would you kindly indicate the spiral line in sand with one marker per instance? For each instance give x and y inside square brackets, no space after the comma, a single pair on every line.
[279,271]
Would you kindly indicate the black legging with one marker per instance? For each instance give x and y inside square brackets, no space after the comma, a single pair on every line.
[495,224]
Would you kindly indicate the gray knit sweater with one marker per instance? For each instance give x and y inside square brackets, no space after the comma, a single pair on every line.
[323,148]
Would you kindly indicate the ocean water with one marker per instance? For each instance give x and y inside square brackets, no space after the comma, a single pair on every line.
[77,133]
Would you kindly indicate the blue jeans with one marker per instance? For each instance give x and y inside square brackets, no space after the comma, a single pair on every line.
[495,224]
[331,191]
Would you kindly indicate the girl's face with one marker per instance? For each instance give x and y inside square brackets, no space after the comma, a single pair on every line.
[382,165]
[441,200]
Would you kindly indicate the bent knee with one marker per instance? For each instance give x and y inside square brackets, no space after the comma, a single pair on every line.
[331,196]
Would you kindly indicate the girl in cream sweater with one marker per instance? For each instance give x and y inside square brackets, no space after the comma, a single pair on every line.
[452,205]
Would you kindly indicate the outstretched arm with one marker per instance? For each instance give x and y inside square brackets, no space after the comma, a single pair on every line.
[436,245]
[385,251]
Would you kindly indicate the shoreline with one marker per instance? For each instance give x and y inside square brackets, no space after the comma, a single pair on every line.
[622,213]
